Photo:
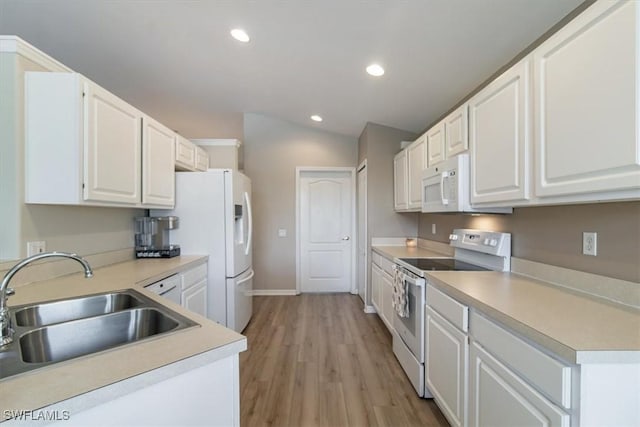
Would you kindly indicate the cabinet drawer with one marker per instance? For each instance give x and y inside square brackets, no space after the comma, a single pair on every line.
[376,258]
[550,376]
[193,276]
[447,307]
[387,265]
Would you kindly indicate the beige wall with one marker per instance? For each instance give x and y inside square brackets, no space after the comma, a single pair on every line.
[553,235]
[273,149]
[379,144]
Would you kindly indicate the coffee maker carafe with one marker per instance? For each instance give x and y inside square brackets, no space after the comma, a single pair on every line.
[152,237]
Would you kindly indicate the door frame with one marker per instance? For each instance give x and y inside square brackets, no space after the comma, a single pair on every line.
[354,244]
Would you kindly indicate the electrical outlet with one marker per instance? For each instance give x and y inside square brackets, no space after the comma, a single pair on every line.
[433,229]
[36,247]
[282,232]
[590,243]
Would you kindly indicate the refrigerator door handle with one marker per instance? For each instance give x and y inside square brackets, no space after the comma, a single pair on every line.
[246,279]
[250,221]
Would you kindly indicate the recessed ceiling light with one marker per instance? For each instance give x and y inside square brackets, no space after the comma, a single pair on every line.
[240,35]
[375,70]
[316,118]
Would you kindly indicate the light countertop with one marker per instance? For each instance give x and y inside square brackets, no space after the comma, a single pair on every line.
[71,378]
[392,252]
[578,327]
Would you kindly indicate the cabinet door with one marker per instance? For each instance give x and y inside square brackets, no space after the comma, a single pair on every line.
[456,132]
[185,154]
[446,366]
[195,298]
[158,164]
[497,397]
[202,159]
[499,138]
[376,286]
[112,148]
[415,163]
[435,144]
[387,301]
[400,190]
[586,97]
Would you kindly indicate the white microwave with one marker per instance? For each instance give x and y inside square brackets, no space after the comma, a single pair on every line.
[445,188]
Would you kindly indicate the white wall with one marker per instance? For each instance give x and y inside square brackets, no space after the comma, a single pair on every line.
[273,149]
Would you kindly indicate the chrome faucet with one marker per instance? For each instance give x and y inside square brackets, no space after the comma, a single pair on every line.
[6,291]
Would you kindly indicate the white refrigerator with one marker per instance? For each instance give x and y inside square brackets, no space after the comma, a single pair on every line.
[214,210]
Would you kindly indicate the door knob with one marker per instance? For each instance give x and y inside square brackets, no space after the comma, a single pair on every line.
[346,238]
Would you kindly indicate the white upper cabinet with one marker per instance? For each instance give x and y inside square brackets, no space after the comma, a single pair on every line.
[435,144]
[158,161]
[400,190]
[416,162]
[587,90]
[456,132]
[202,159]
[185,154]
[499,126]
[112,169]
[84,145]
[190,157]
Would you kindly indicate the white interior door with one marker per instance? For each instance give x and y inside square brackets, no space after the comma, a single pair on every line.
[362,232]
[326,230]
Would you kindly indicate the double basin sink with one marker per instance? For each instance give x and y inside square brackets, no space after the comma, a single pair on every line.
[55,331]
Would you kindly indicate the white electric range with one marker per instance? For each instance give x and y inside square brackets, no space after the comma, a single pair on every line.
[474,250]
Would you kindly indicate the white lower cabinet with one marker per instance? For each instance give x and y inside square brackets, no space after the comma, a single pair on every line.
[499,397]
[205,395]
[511,382]
[382,289]
[447,354]
[387,300]
[194,289]
[376,285]
[446,367]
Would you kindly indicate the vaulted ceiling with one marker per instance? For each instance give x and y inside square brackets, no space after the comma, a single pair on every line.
[176,61]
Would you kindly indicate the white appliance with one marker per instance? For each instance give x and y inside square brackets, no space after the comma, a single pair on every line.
[445,188]
[475,250]
[216,220]
[167,288]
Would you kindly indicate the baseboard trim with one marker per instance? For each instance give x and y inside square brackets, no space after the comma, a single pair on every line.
[369,309]
[273,292]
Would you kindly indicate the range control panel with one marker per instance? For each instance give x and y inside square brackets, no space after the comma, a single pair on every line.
[489,242]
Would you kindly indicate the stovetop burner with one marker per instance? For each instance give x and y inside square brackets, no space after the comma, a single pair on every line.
[441,264]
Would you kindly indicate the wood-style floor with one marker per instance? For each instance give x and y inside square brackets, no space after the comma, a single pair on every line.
[319,360]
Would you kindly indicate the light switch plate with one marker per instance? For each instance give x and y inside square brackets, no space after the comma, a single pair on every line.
[590,243]
[433,229]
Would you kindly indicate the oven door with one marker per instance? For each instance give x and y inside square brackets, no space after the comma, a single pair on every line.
[411,329]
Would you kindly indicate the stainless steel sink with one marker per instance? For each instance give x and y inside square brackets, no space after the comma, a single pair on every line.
[80,337]
[76,308]
[55,331]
